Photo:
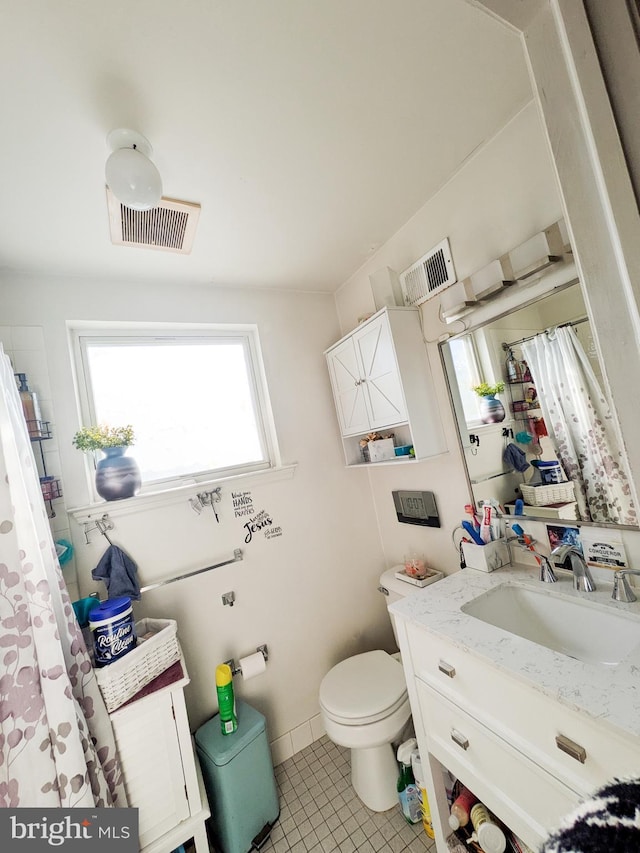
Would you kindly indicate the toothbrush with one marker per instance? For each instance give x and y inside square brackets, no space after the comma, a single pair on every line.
[471,510]
[527,540]
[475,536]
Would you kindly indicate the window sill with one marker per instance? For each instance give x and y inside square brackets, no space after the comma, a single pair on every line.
[140,503]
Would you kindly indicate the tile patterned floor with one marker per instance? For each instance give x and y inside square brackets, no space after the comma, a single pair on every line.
[320,812]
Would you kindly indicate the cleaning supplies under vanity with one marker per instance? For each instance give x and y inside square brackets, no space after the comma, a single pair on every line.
[524,725]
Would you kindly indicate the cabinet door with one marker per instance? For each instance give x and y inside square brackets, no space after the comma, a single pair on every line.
[348,388]
[383,387]
[149,750]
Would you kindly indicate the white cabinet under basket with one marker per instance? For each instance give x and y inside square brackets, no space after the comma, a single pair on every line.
[161,775]
[381,381]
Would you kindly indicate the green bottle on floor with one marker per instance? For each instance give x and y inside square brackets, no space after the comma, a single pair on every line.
[408,791]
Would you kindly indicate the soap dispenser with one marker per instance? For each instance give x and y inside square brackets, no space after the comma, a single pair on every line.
[30,407]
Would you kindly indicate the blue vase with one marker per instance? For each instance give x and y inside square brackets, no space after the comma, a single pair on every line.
[491,411]
[117,476]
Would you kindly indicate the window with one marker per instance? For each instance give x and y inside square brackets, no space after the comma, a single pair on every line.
[467,369]
[196,400]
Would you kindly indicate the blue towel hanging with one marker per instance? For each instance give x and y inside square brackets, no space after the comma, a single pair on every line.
[515,458]
[119,573]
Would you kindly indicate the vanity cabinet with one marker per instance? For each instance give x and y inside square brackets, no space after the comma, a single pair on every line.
[526,756]
[381,381]
[161,775]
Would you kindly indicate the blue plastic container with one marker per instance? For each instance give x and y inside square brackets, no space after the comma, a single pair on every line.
[113,629]
[550,472]
[239,779]
[403,450]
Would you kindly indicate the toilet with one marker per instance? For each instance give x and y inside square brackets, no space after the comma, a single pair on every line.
[364,706]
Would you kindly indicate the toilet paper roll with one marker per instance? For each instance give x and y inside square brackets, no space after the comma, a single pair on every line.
[252,665]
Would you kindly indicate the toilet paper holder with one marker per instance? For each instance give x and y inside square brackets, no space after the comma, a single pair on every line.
[236,669]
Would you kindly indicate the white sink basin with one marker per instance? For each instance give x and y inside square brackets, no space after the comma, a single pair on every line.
[593,633]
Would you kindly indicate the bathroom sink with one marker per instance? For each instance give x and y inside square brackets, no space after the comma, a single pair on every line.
[591,632]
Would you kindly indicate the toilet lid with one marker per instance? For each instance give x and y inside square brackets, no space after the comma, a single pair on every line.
[363,686]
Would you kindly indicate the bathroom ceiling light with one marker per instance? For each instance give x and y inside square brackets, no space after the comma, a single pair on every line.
[130,174]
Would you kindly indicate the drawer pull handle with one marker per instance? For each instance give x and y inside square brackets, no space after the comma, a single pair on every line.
[445,667]
[571,748]
[460,739]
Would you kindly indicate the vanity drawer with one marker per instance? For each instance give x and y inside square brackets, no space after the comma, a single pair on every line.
[527,798]
[581,752]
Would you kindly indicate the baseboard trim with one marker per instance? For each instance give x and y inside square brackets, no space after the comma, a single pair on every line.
[296,740]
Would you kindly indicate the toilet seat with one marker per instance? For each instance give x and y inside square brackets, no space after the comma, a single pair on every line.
[363,689]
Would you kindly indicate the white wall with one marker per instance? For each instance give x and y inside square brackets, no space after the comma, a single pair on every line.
[498,199]
[310,594]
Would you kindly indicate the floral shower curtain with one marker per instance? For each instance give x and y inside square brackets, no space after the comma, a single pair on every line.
[579,419]
[56,742]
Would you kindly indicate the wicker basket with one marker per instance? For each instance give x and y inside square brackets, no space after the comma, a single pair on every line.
[122,679]
[557,493]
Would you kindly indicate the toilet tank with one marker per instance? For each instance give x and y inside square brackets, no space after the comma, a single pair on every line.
[394,589]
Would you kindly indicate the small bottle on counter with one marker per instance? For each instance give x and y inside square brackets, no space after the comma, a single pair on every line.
[30,407]
[461,809]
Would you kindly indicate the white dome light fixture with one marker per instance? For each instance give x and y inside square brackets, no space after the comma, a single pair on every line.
[130,174]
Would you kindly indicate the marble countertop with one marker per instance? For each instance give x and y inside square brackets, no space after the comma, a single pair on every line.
[610,694]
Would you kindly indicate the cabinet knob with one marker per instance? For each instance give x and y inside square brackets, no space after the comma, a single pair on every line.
[458,738]
[445,667]
[571,748]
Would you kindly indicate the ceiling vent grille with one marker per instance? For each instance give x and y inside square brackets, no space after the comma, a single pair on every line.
[170,226]
[428,276]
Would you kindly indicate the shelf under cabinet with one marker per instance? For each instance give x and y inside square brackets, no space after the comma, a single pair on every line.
[398,460]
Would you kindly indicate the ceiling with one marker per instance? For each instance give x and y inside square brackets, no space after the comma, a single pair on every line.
[309,131]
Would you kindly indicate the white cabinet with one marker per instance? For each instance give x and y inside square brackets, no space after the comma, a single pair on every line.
[161,775]
[381,380]
[366,381]
[526,756]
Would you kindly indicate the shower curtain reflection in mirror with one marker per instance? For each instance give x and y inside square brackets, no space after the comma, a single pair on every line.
[579,419]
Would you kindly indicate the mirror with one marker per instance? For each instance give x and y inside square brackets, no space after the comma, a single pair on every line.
[547,435]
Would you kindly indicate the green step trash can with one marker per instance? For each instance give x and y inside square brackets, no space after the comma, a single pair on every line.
[239,780]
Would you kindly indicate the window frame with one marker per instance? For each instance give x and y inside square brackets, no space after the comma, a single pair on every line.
[112,334]
[470,345]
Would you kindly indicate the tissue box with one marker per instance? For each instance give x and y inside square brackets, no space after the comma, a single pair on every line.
[486,558]
[381,450]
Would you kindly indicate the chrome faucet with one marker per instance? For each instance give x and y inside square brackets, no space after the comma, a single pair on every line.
[582,579]
[621,589]
[547,575]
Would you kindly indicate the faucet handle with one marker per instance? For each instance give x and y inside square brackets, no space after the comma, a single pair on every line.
[621,589]
[547,575]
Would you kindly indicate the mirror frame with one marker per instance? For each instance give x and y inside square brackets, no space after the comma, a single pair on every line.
[496,310]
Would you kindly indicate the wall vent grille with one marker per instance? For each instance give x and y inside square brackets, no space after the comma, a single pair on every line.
[430,275]
[170,226]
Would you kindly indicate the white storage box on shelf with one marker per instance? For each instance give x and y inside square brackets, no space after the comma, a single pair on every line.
[121,680]
[545,495]
[381,450]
